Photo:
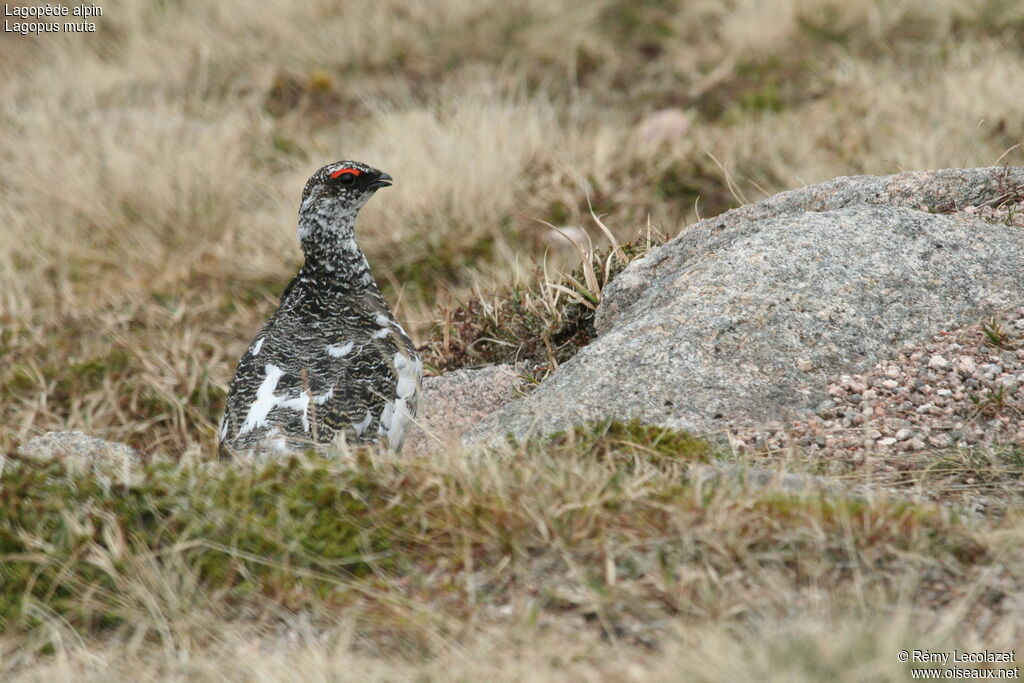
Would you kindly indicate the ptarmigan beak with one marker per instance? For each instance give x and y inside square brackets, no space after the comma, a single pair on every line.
[383,180]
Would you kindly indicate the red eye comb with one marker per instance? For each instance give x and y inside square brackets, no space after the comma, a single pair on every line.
[342,171]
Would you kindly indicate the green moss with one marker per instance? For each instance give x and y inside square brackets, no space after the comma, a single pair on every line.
[243,533]
[614,439]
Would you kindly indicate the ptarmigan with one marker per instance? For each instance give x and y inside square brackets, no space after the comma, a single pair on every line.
[331,363]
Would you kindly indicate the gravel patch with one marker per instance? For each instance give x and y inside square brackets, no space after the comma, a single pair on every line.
[960,388]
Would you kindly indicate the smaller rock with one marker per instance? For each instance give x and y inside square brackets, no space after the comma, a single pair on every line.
[992,369]
[965,366]
[80,452]
[826,406]
[457,400]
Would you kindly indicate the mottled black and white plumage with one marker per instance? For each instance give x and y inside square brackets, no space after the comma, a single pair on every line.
[331,363]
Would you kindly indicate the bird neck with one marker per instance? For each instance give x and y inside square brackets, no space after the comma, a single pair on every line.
[332,256]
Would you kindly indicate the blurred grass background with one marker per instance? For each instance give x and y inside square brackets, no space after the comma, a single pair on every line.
[151,170]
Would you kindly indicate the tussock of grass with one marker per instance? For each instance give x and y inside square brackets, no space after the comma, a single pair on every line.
[631,442]
[541,323]
[999,469]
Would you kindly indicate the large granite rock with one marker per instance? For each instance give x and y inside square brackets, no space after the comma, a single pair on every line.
[743,317]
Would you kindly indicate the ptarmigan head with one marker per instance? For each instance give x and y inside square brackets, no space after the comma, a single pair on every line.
[336,192]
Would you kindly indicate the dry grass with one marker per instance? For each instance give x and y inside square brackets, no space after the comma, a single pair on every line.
[151,175]
[589,553]
[858,647]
